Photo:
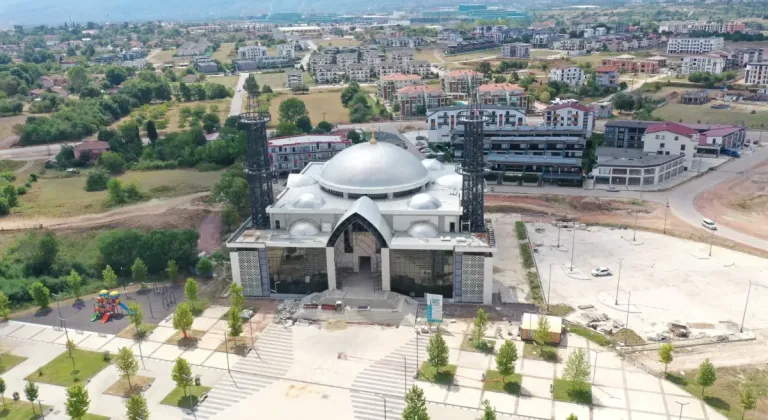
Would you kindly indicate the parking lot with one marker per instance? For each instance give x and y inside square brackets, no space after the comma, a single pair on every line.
[663,279]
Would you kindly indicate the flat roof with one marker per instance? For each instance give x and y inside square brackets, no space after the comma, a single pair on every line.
[630,123]
[646,161]
[309,139]
[541,159]
[619,152]
[531,321]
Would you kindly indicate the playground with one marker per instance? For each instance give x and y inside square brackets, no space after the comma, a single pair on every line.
[108,311]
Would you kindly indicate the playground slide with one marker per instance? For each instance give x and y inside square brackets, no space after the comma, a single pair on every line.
[105,319]
[95,316]
[126,309]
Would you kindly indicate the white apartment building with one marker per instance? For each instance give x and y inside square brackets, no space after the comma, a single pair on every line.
[286,50]
[711,63]
[757,73]
[328,74]
[694,45]
[251,52]
[359,73]
[516,50]
[571,75]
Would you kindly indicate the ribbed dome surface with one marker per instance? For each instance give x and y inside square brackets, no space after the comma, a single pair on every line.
[371,168]
[423,230]
[299,180]
[309,201]
[423,201]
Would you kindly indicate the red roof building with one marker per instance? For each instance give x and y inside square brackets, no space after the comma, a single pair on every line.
[93,148]
[391,83]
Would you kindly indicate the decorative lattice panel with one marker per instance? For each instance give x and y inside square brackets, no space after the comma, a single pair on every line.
[250,273]
[457,264]
[472,275]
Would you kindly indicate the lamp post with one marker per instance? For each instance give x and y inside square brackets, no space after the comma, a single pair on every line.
[746,302]
[558,235]
[417,349]
[712,237]
[226,350]
[40,404]
[666,210]
[573,247]
[616,301]
[385,404]
[681,409]
[629,298]
[594,368]
[61,320]
[549,285]
[149,300]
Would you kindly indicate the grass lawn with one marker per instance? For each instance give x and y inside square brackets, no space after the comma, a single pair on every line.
[9,361]
[468,345]
[59,370]
[65,196]
[565,391]
[20,410]
[10,165]
[7,123]
[89,416]
[705,114]
[228,81]
[532,351]
[223,53]
[193,336]
[177,399]
[590,335]
[173,112]
[130,331]
[724,395]
[274,79]
[121,389]
[428,373]
[163,56]
[627,337]
[473,55]
[560,309]
[236,345]
[326,102]
[336,42]
[493,382]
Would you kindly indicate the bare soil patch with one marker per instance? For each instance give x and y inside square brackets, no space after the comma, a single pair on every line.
[121,388]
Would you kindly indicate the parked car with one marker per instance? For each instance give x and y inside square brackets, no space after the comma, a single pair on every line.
[611,188]
[709,224]
[601,271]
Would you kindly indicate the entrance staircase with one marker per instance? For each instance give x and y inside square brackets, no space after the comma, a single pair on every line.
[380,308]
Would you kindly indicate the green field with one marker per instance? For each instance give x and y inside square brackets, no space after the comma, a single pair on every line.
[494,382]
[59,370]
[223,53]
[337,42]
[705,114]
[473,55]
[7,123]
[65,196]
[9,361]
[326,102]
[177,399]
[10,165]
[228,81]
[274,80]
[21,410]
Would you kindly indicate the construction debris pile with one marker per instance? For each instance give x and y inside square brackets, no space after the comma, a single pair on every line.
[600,322]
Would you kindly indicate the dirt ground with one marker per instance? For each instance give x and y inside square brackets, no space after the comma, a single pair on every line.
[648,215]
[741,203]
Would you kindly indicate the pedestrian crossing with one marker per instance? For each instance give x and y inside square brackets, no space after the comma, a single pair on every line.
[271,358]
[387,379]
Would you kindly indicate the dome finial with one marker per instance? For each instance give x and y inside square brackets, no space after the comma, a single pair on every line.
[373,136]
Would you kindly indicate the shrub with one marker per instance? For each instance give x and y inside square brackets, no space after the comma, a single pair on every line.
[113,162]
[33,177]
[21,190]
[96,181]
[8,176]
[205,267]
[155,165]
[4,207]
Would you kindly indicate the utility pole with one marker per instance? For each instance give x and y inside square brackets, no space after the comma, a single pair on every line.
[573,246]
[226,349]
[666,210]
[681,409]
[616,301]
[549,286]
[558,235]
[629,298]
[746,302]
[61,320]
[711,238]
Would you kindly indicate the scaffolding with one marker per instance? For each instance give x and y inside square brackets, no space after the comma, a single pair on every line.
[472,169]
[258,168]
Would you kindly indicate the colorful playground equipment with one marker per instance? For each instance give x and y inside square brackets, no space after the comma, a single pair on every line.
[107,305]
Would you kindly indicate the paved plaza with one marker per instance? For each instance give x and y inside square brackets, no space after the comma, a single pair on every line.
[348,372]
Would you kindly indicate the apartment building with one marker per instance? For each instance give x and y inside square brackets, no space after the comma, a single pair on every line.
[418,67]
[358,72]
[390,84]
[328,73]
[469,46]
[694,45]
[571,75]
[292,154]
[570,116]
[251,52]
[743,56]
[460,83]
[571,46]
[402,56]
[442,121]
[607,76]
[516,50]
[287,50]
[630,64]
[419,99]
[712,63]
[502,94]
[294,77]
[344,60]
[757,74]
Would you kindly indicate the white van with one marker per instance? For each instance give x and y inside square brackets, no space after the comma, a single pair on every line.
[708,224]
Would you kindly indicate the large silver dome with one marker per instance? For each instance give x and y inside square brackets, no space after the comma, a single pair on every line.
[373,168]
[423,201]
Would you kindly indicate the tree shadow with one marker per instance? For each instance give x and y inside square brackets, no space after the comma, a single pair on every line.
[718,403]
[42,313]
[188,342]
[78,304]
[580,395]
[444,378]
[677,380]
[189,401]
[512,388]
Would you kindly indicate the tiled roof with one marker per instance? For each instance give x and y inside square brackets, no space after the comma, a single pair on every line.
[92,145]
[456,73]
[490,87]
[419,88]
[672,127]
[717,132]
[605,69]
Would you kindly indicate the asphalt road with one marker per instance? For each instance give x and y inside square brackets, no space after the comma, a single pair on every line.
[237,98]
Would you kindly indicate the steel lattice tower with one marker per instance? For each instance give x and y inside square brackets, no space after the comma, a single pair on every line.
[472,169]
[258,168]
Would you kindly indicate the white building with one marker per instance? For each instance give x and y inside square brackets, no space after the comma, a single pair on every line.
[373,218]
[441,121]
[516,50]
[757,73]
[571,75]
[286,50]
[292,154]
[572,116]
[712,63]
[297,31]
[694,45]
[251,52]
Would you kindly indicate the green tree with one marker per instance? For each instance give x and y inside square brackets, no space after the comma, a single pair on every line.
[437,351]
[415,405]
[541,333]
[211,122]
[291,109]
[5,309]
[229,217]
[236,298]
[304,124]
[127,364]
[136,316]
[325,126]
[78,78]
[747,399]
[151,131]
[136,407]
[115,191]
[479,326]
[505,359]
[623,102]
[205,267]
[77,401]
[266,89]
[112,162]
[349,92]
[190,290]
[354,136]
[251,86]
[172,270]
[484,67]
[665,355]
[139,271]
[182,318]
[42,255]
[2,390]
[572,417]
[287,128]
[182,374]
[75,283]
[96,181]
[11,195]
[544,96]
[489,413]
[40,294]
[706,376]
[32,392]
[577,368]
[232,190]
[235,322]
[109,277]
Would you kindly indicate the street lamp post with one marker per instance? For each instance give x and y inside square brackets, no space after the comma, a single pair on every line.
[385,404]
[573,246]
[712,237]
[149,300]
[594,368]
[61,320]
[616,301]
[417,349]
[226,350]
[629,298]
[746,302]
[549,285]
[666,210]
[40,404]
[681,409]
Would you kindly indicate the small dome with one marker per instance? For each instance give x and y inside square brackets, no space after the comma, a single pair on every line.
[309,201]
[432,164]
[450,181]
[303,228]
[423,201]
[423,230]
[299,180]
